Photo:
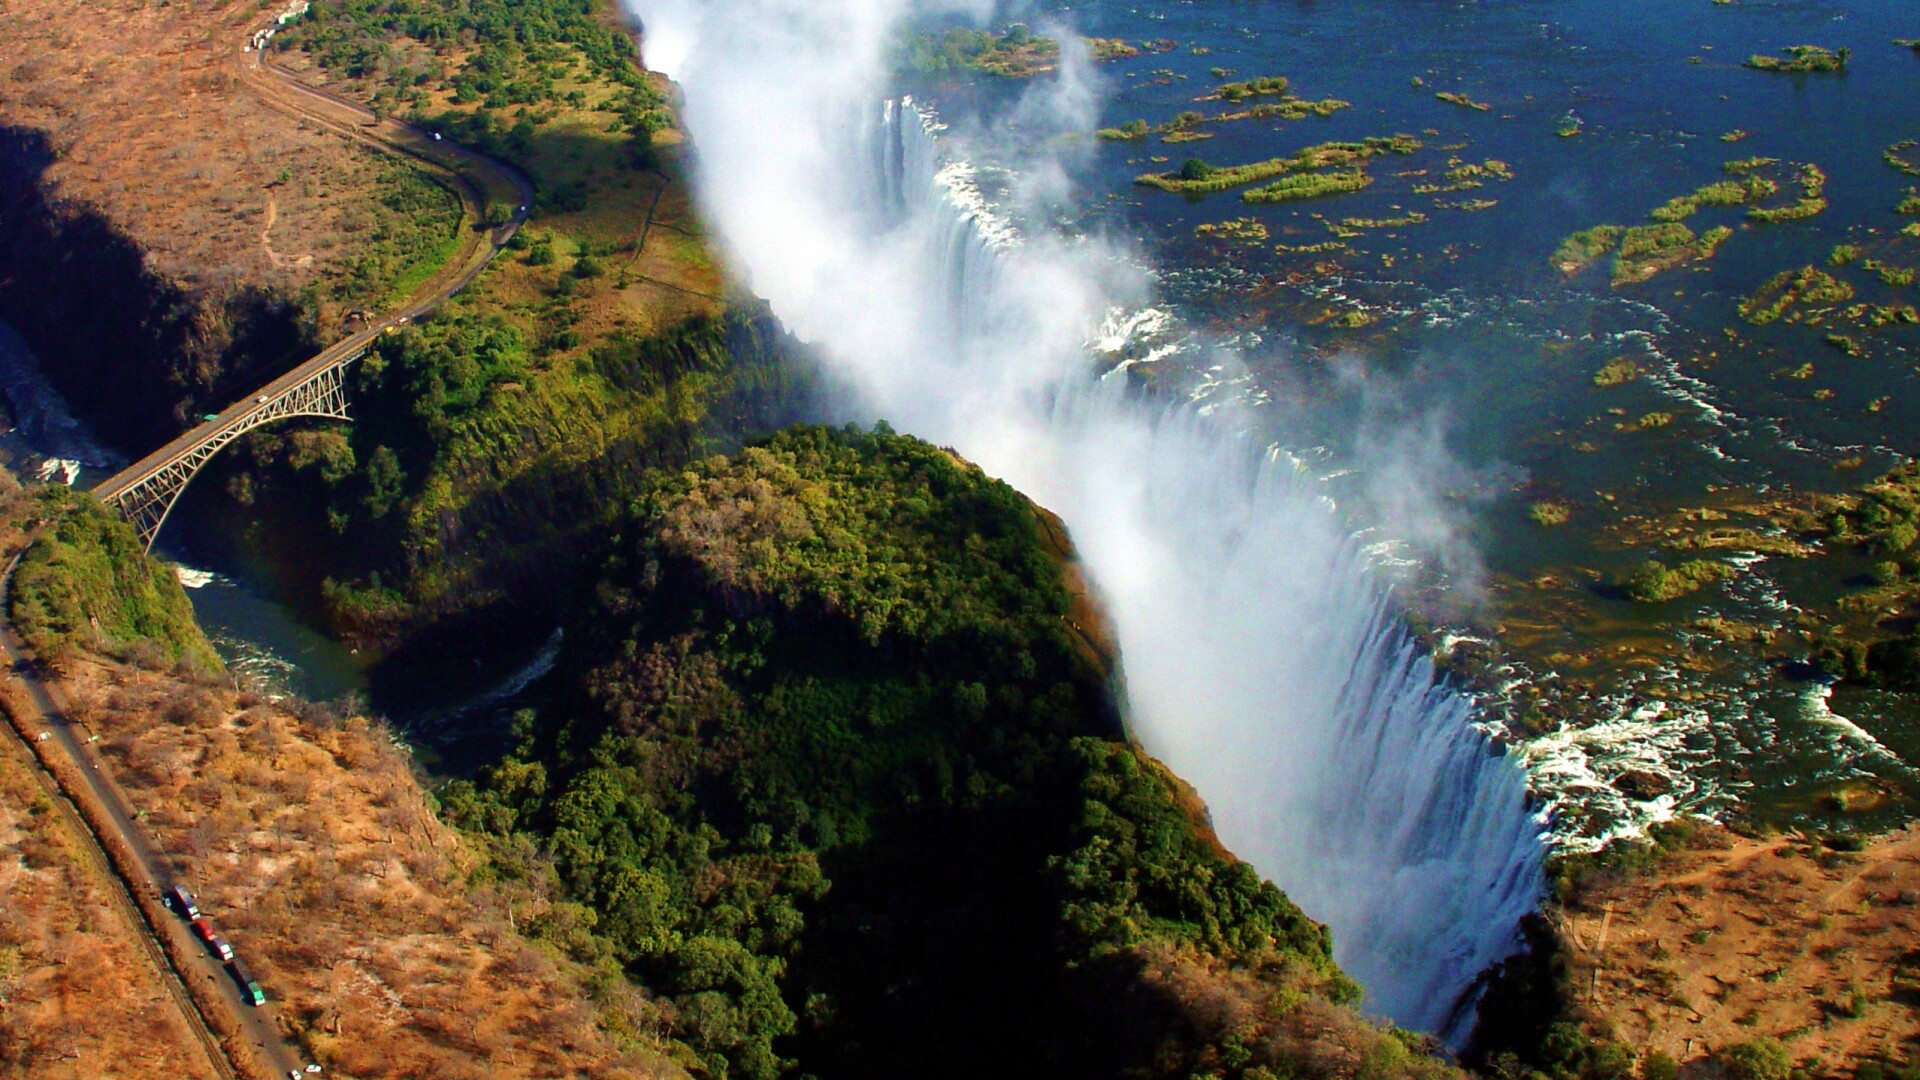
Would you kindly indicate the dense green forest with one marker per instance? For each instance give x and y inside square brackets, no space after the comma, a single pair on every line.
[837,771]
[87,582]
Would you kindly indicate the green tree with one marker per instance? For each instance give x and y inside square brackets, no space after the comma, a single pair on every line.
[385,482]
[1757,1059]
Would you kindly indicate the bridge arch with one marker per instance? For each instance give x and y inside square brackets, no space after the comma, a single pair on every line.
[145,492]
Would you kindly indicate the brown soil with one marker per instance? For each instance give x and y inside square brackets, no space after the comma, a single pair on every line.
[1764,937]
[78,997]
[310,844]
[156,132]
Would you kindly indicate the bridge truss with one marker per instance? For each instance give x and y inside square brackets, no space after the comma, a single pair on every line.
[145,493]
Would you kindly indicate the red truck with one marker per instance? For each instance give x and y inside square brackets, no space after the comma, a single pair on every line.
[204,930]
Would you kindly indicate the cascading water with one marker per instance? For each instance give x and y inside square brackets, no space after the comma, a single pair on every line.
[1263,662]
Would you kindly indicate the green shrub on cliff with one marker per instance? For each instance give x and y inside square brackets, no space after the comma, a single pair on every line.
[836,769]
[88,582]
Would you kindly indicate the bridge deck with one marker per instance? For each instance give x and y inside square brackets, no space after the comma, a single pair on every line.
[145,491]
[238,414]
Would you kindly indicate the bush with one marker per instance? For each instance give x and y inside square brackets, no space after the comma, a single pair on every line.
[1757,1059]
[1195,169]
[1653,583]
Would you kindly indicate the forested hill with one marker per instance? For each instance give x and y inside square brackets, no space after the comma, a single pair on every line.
[837,772]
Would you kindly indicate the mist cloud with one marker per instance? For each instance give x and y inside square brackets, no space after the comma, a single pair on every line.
[1261,661]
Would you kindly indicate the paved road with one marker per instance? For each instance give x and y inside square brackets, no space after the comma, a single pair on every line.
[203,967]
[477,178]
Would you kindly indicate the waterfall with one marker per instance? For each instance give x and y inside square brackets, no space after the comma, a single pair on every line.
[1263,662]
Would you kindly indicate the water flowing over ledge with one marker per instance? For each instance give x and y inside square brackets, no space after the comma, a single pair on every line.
[1263,662]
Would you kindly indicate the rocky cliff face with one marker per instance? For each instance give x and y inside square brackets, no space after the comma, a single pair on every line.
[136,354]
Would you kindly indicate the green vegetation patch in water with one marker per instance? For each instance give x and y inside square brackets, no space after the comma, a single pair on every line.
[1614,372]
[1654,582]
[1548,513]
[1719,193]
[1896,156]
[1807,285]
[1897,276]
[1014,53]
[1244,229]
[1813,183]
[1584,248]
[1198,177]
[1463,101]
[1308,186]
[1645,250]
[1802,59]
[1268,86]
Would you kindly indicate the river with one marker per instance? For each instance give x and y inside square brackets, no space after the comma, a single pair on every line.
[1427,332]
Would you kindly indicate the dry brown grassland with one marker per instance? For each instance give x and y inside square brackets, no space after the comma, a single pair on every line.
[308,839]
[155,130]
[78,999]
[1745,937]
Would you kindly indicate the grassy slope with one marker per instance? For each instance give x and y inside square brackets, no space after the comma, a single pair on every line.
[87,582]
[838,773]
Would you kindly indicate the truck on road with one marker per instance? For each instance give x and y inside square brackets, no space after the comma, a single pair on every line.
[183,902]
[249,987]
[204,931]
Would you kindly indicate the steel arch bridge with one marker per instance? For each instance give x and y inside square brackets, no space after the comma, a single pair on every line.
[145,492]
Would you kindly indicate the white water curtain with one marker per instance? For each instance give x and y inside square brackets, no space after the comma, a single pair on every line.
[1261,662]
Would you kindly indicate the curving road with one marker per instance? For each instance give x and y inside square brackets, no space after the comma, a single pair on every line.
[479,180]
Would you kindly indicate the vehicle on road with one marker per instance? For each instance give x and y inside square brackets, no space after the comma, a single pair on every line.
[249,987]
[261,400]
[183,902]
[205,932]
[210,417]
